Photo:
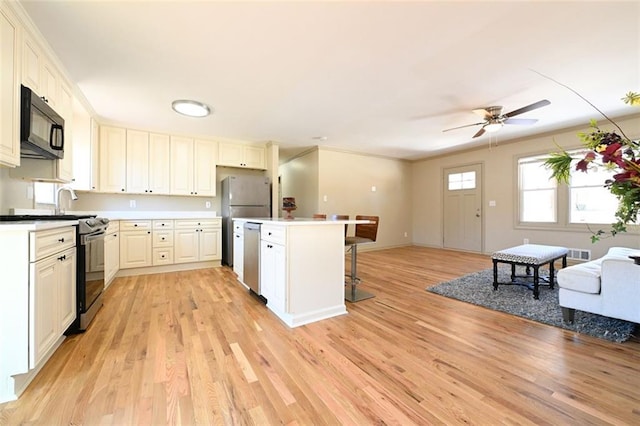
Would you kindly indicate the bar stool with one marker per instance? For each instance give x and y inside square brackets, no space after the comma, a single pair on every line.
[341,217]
[365,233]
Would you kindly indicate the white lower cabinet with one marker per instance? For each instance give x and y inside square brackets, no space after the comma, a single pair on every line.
[197,240]
[238,249]
[273,267]
[162,242]
[135,244]
[52,302]
[111,252]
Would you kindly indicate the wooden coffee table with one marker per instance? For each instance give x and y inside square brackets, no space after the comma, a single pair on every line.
[532,256]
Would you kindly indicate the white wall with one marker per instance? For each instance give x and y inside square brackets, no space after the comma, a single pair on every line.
[346,179]
[500,185]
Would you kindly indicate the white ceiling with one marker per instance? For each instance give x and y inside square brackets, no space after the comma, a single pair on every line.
[383,77]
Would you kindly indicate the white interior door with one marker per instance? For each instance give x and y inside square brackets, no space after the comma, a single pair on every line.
[462,215]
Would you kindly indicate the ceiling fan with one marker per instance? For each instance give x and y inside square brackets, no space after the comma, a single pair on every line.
[494,119]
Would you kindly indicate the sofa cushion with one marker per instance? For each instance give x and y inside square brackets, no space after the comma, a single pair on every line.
[584,277]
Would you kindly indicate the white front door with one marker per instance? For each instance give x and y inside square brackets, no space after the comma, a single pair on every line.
[463,208]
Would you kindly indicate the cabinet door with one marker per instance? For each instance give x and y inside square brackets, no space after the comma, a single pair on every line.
[205,168]
[9,92]
[111,257]
[113,151]
[210,244]
[67,290]
[267,270]
[159,163]
[65,109]
[238,256]
[230,154]
[181,166]
[31,64]
[49,81]
[186,245]
[84,149]
[279,290]
[254,157]
[135,249]
[43,317]
[137,161]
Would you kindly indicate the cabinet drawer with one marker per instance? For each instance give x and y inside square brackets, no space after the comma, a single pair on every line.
[238,227]
[162,224]
[46,243]
[162,256]
[273,234]
[114,226]
[198,223]
[163,238]
[135,225]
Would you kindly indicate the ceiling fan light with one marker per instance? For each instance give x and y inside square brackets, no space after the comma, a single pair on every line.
[191,108]
[493,127]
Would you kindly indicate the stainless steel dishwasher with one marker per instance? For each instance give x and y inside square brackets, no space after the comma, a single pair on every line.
[251,270]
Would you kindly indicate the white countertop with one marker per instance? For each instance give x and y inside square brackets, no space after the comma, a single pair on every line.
[130,214]
[35,225]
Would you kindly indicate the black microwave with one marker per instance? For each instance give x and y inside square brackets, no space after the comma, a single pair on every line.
[41,128]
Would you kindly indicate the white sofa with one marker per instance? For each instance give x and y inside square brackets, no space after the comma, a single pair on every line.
[608,286]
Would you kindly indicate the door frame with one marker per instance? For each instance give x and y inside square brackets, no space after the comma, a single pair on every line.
[443,180]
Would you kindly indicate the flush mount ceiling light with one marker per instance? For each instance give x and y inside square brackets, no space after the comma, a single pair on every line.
[191,108]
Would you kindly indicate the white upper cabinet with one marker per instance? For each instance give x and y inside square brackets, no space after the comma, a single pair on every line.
[193,167]
[9,90]
[137,161]
[85,149]
[113,151]
[238,155]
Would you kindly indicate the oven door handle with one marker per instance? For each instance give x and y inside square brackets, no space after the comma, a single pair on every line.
[92,237]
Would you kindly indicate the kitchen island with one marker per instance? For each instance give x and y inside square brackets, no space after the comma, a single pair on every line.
[301,267]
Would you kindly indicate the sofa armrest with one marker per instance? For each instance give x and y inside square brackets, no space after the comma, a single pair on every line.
[620,289]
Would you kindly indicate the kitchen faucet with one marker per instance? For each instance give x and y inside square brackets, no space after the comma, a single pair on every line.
[58,210]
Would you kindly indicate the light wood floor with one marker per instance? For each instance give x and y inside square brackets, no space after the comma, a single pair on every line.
[194,347]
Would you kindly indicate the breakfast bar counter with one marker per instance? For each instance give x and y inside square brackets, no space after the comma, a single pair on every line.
[301,267]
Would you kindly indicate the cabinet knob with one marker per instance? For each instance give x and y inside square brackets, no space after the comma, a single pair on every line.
[63,257]
[135,224]
[148,232]
[122,190]
[269,246]
[162,256]
[61,240]
[162,238]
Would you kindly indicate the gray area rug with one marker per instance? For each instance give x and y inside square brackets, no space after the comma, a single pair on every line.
[477,288]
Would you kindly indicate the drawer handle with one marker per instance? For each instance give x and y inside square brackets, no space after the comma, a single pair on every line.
[61,240]
[63,257]
[269,246]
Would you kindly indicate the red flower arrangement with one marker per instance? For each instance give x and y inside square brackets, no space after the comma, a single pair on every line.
[612,151]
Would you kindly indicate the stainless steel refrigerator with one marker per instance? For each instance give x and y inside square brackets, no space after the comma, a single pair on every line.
[242,196]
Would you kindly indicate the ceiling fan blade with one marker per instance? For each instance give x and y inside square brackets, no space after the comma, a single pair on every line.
[520,121]
[466,125]
[479,133]
[531,107]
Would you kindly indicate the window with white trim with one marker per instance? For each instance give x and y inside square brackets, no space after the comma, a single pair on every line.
[584,201]
[538,191]
[589,200]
